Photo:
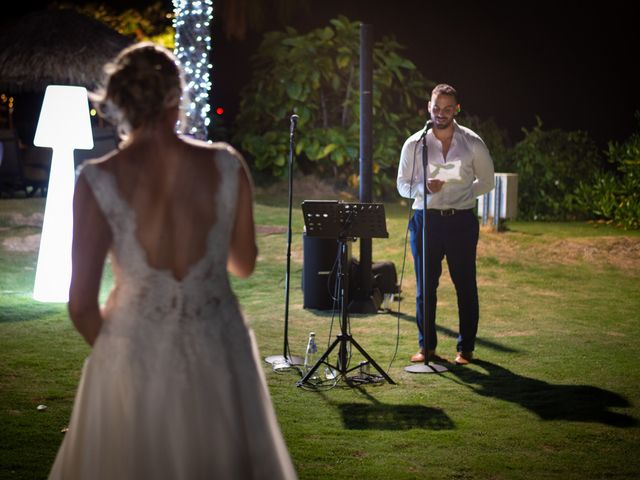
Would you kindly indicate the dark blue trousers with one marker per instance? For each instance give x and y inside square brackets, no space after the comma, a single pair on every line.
[456,238]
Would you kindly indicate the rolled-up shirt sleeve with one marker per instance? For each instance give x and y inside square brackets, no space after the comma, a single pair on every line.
[483,169]
[409,181]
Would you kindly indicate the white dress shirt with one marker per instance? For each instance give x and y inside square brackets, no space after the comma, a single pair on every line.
[467,171]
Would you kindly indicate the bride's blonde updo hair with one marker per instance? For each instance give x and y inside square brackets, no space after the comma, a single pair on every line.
[142,82]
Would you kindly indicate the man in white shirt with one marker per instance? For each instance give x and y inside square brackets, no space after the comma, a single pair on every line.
[459,170]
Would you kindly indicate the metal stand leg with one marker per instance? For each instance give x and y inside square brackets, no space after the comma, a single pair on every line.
[343,338]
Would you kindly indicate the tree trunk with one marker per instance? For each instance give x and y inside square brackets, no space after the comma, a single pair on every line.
[345,105]
[323,106]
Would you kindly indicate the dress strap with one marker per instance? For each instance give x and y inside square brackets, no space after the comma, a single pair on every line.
[105,190]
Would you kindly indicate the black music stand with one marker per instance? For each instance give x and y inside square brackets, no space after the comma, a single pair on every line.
[344,222]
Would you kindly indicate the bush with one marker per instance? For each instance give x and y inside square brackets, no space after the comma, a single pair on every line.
[550,165]
[615,195]
[316,76]
[495,138]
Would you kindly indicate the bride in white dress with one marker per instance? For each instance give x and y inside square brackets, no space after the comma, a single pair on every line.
[173,388]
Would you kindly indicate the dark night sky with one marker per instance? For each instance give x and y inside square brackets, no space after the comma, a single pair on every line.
[568,62]
[571,63]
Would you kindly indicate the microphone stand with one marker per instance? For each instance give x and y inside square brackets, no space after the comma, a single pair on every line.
[426,367]
[284,361]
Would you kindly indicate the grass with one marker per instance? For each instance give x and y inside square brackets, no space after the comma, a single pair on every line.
[554,393]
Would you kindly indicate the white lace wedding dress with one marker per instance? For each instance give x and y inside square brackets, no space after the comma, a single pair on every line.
[173,388]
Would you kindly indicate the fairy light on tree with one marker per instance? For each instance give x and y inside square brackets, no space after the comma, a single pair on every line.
[191,21]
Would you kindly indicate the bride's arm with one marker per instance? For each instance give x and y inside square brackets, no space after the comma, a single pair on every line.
[242,249]
[91,241]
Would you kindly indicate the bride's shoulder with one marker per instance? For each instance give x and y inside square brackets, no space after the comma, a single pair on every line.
[222,147]
[228,153]
[219,150]
[104,163]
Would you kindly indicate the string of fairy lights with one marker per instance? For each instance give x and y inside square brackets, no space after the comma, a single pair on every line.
[192,20]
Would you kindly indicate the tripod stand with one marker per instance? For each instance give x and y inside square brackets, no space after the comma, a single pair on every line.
[344,222]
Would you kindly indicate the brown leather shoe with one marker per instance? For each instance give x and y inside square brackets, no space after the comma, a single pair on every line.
[419,356]
[464,358]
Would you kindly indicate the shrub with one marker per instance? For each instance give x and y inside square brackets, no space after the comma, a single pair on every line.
[615,195]
[550,165]
[495,138]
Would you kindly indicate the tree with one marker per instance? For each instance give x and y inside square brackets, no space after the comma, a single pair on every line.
[315,75]
[152,24]
[192,47]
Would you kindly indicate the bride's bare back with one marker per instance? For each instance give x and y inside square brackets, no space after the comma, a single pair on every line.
[173,194]
[171,185]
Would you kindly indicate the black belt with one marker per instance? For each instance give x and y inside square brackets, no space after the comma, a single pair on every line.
[447,212]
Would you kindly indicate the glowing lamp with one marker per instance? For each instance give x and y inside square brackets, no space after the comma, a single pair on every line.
[64,125]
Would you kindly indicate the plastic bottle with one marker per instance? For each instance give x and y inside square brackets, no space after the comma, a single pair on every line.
[311,354]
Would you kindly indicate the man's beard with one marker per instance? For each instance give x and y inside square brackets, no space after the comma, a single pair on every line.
[442,126]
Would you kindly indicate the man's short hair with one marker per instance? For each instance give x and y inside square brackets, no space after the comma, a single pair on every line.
[444,89]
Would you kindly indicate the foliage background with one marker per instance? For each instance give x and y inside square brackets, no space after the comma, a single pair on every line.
[152,23]
[614,194]
[316,76]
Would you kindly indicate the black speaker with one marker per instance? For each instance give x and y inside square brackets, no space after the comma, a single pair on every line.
[385,277]
[318,272]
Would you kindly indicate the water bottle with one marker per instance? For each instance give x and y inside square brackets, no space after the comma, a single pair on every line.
[311,354]
[365,371]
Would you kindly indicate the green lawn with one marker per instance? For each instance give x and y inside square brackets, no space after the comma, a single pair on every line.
[554,393]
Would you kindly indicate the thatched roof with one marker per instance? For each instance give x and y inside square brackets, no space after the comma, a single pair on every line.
[59,47]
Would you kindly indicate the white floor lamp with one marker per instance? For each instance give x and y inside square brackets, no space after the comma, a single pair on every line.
[64,125]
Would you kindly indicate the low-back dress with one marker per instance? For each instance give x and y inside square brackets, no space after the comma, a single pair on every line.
[173,388]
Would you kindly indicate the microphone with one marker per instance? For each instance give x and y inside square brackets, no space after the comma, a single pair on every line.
[426,127]
[294,121]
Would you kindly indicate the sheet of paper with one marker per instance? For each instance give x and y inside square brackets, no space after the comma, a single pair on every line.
[448,172]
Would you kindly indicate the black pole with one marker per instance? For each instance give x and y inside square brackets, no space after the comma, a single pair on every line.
[425,367]
[363,301]
[425,280]
[285,348]
[366,112]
